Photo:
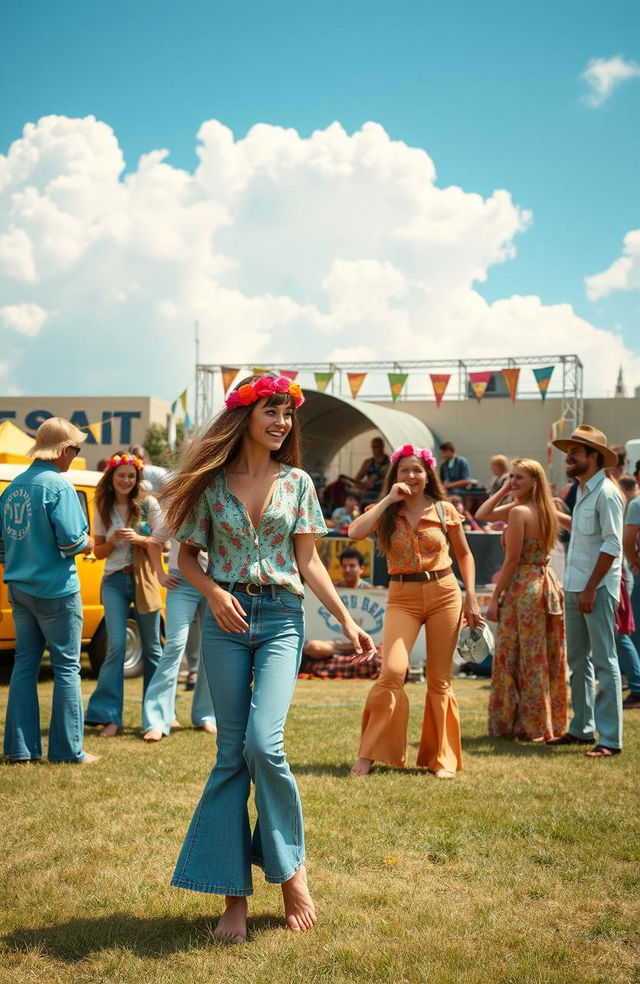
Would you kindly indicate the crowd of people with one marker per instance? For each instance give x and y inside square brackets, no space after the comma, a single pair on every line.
[241,518]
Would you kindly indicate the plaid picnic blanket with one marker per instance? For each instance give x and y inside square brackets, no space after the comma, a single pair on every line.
[339,668]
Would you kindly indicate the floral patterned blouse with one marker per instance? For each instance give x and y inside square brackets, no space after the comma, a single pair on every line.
[424,549]
[220,524]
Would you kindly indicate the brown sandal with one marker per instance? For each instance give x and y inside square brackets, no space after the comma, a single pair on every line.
[602,752]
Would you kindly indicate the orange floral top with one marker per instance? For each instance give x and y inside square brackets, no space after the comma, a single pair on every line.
[426,548]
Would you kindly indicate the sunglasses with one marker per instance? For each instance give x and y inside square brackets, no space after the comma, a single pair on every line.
[75,448]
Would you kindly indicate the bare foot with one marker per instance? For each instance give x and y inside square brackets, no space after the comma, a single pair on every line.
[153,734]
[299,910]
[232,925]
[362,767]
[444,774]
[90,759]
[208,726]
[109,731]
[175,725]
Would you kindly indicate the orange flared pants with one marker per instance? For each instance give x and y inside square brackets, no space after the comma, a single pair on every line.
[437,605]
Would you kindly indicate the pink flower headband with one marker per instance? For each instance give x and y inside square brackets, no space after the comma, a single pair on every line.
[265,386]
[124,459]
[407,450]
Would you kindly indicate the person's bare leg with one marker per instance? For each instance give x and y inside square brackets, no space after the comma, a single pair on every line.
[362,767]
[232,925]
[299,910]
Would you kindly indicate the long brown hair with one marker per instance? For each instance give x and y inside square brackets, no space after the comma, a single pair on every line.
[542,500]
[219,444]
[387,524]
[105,498]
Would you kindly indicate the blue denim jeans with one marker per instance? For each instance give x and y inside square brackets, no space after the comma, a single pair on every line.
[631,669]
[252,677]
[184,603]
[118,594]
[57,624]
[591,655]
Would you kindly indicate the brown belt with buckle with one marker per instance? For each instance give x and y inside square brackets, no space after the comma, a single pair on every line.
[422,575]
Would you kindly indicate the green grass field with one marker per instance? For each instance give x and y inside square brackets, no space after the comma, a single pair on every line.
[524,870]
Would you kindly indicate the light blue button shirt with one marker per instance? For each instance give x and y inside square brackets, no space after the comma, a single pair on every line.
[42,528]
[596,528]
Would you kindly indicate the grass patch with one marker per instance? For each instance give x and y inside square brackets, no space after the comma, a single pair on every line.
[524,870]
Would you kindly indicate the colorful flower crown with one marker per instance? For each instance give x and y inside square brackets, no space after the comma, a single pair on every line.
[407,450]
[124,459]
[265,386]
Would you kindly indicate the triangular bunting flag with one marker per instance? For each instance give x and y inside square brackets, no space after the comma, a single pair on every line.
[96,431]
[183,400]
[510,377]
[396,382]
[229,373]
[323,379]
[289,373]
[356,379]
[543,377]
[439,381]
[479,382]
[188,424]
[259,371]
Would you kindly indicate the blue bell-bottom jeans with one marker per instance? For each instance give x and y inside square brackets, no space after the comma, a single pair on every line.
[57,624]
[591,655]
[118,595]
[252,677]
[184,604]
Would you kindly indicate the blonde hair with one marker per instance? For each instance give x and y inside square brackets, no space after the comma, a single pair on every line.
[542,500]
[53,436]
[500,459]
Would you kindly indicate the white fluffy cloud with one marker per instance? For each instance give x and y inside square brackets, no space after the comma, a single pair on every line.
[26,319]
[623,274]
[283,248]
[602,75]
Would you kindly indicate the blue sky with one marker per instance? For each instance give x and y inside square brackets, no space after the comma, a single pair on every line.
[492,91]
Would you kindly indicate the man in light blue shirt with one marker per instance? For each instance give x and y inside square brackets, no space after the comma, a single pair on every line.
[42,528]
[592,594]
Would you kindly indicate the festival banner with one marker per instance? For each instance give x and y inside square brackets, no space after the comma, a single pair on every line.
[171,428]
[356,379]
[542,379]
[510,377]
[396,383]
[291,374]
[323,379]
[439,381]
[479,382]
[229,373]
[183,400]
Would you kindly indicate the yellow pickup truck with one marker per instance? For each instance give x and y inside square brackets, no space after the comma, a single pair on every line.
[94,631]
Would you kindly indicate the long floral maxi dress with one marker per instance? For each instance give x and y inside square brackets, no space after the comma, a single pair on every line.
[529,677]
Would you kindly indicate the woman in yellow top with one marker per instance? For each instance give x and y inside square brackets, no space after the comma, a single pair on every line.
[416,526]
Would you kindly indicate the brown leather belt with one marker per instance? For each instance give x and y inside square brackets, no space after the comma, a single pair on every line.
[422,575]
[126,570]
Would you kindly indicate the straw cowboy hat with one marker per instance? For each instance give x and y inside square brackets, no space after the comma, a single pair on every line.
[591,437]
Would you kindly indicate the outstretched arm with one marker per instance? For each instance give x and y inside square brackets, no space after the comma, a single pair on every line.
[317,577]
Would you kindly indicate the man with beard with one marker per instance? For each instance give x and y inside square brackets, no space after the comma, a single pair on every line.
[592,591]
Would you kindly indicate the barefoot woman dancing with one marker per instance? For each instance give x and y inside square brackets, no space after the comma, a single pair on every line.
[415,528]
[242,496]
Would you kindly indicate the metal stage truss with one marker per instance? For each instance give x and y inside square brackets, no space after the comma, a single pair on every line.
[566,381]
